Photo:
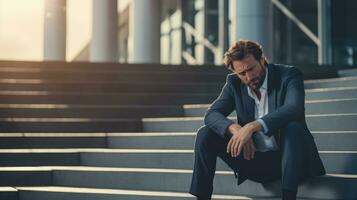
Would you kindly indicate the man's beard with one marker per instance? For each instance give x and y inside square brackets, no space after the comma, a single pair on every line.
[253,84]
[260,82]
[261,78]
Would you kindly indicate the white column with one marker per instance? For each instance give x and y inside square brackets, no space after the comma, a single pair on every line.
[104,44]
[144,43]
[254,21]
[55,30]
[223,35]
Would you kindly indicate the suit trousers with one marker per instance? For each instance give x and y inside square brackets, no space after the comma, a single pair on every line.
[284,164]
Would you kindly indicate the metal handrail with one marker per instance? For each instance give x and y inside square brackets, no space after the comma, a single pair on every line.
[199,37]
[298,22]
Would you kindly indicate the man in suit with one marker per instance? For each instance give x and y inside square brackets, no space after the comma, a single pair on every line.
[270,139]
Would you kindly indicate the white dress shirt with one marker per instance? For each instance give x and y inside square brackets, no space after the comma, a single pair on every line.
[262,142]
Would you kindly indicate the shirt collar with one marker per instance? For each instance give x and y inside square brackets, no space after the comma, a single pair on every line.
[265,83]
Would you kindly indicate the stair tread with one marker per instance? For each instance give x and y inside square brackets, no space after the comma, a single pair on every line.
[65,119]
[193,106]
[39,92]
[132,192]
[130,169]
[7,189]
[121,192]
[47,93]
[171,119]
[129,134]
[106,150]
[87,106]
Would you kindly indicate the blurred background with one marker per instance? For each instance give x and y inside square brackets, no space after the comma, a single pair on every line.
[177,31]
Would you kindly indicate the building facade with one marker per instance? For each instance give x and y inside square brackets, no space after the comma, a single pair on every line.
[200,31]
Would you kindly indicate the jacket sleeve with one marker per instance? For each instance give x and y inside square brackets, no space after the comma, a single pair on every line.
[294,103]
[216,115]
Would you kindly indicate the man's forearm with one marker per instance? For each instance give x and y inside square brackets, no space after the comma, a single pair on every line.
[233,128]
[254,126]
[218,122]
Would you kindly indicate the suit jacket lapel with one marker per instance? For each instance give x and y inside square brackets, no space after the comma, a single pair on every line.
[248,104]
[272,98]
[271,89]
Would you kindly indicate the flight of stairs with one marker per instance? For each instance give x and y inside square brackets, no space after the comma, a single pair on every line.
[75,131]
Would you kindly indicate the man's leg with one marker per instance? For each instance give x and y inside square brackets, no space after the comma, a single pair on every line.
[208,146]
[292,158]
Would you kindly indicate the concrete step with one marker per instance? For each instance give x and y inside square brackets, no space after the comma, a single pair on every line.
[340,162]
[316,122]
[335,140]
[88,111]
[41,97]
[109,86]
[108,67]
[139,111]
[26,176]
[69,125]
[310,71]
[325,140]
[331,82]
[311,107]
[39,157]
[142,111]
[145,75]
[8,193]
[52,140]
[148,86]
[152,140]
[144,87]
[331,186]
[347,73]
[331,93]
[76,193]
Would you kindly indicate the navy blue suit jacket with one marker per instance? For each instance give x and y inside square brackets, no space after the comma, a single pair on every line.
[286,103]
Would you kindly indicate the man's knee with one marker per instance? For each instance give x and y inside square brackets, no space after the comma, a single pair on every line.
[294,125]
[293,134]
[293,128]
[204,136]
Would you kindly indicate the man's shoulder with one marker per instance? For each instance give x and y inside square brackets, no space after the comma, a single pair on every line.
[283,67]
[284,70]
[232,78]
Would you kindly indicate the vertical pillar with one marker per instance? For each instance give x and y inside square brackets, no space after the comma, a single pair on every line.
[223,35]
[55,30]
[104,44]
[324,31]
[254,21]
[145,31]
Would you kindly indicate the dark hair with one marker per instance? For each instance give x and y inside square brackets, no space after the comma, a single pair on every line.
[239,50]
